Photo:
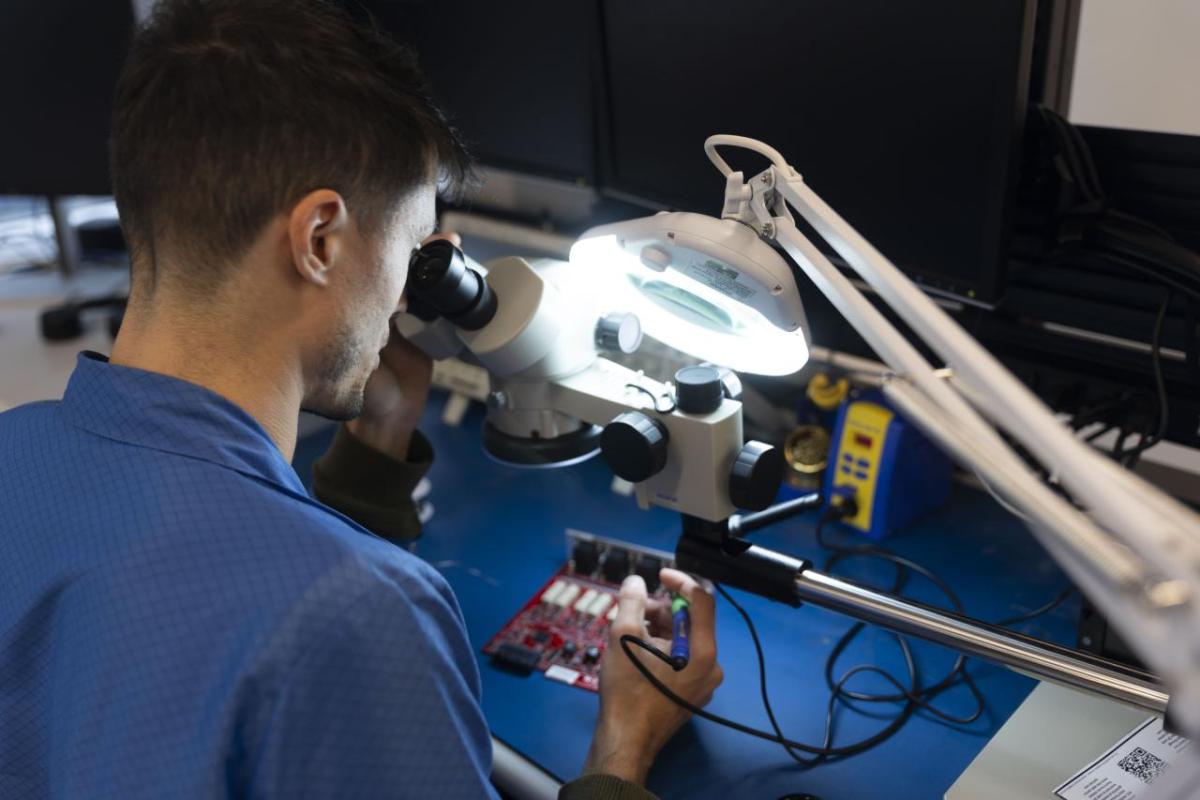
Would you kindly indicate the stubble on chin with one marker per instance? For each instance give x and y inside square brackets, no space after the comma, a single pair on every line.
[344,372]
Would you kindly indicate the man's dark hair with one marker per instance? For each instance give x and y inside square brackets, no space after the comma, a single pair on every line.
[228,111]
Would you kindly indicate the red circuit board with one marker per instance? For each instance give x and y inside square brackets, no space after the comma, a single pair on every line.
[562,630]
[546,628]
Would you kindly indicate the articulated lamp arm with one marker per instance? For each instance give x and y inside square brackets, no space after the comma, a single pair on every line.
[1132,549]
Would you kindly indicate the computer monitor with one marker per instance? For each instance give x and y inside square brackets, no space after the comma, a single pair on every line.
[515,78]
[905,117]
[60,59]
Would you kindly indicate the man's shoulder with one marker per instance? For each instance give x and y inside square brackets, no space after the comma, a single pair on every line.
[296,545]
[193,534]
[279,575]
[372,563]
[33,433]
[17,418]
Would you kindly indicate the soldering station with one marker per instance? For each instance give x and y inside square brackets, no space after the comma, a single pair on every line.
[877,319]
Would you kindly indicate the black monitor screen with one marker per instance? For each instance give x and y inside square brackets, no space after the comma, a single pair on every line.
[904,116]
[60,59]
[516,78]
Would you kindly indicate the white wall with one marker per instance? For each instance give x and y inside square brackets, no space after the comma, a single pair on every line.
[1138,65]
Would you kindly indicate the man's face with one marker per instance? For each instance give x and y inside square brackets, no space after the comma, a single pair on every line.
[365,297]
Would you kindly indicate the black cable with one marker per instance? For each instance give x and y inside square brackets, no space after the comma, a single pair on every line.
[1160,385]
[918,696]
[1040,610]
[1089,414]
[824,752]
[762,685]
[1167,256]
[1191,290]
[1083,156]
[1086,181]
[827,748]
[1091,437]
[1130,458]
[1118,451]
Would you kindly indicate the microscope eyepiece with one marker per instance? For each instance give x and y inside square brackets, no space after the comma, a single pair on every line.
[441,284]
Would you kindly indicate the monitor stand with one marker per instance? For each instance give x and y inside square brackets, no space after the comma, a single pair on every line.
[70,251]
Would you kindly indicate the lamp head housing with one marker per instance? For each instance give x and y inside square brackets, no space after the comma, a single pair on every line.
[708,287]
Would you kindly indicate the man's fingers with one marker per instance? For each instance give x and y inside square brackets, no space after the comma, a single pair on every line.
[631,608]
[700,603]
[658,614]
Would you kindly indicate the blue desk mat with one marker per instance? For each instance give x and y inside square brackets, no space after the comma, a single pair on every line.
[497,535]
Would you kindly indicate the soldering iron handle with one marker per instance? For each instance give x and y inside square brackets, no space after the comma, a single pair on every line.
[681,633]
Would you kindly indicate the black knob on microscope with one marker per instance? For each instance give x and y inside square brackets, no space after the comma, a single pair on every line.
[698,390]
[755,477]
[635,446]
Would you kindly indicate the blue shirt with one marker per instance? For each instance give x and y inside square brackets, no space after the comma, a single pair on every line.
[178,618]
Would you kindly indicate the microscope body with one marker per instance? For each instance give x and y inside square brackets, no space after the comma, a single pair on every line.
[556,400]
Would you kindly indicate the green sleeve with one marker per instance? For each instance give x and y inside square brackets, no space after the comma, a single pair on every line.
[371,488]
[603,787]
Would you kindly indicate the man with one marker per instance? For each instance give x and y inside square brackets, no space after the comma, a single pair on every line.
[178,618]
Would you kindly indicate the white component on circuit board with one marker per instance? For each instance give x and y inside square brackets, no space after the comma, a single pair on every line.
[568,596]
[551,594]
[557,672]
[599,604]
[585,602]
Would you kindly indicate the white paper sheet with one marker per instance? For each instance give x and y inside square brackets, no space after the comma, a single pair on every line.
[1125,770]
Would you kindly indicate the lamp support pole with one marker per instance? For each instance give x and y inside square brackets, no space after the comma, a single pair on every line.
[708,550]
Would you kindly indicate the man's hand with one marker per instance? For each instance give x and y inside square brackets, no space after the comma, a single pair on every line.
[636,720]
[396,393]
[394,399]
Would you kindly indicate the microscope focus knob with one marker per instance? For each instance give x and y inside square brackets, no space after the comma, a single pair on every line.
[635,446]
[756,475]
[619,332]
[698,390]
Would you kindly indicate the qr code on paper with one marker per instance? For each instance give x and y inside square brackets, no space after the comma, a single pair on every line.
[1143,764]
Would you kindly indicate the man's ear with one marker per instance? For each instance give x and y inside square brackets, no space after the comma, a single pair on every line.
[317,229]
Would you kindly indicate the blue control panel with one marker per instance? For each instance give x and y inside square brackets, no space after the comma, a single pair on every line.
[894,474]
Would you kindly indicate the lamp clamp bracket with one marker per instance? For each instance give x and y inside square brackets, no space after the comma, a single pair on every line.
[755,202]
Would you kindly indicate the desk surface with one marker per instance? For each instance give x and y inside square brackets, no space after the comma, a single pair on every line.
[497,535]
